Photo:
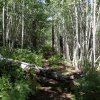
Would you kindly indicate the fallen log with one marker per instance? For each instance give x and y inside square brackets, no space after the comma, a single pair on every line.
[25,66]
[45,72]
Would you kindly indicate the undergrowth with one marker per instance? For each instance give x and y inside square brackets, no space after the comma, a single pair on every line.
[89,85]
[13,83]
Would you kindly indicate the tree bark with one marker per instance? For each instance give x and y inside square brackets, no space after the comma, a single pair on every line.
[94,31]
[3,24]
[22,41]
[53,35]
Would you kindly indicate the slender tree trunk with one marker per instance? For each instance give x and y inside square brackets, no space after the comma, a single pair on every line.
[53,35]
[94,30]
[75,51]
[22,41]
[86,35]
[7,26]
[3,24]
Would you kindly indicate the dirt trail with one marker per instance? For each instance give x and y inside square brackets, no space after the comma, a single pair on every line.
[51,89]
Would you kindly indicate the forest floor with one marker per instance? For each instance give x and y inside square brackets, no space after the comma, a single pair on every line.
[51,89]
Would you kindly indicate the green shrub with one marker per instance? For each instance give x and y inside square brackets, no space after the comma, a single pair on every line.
[5,87]
[6,52]
[21,90]
[47,51]
[24,55]
[28,56]
[89,85]
[13,82]
[55,59]
[14,91]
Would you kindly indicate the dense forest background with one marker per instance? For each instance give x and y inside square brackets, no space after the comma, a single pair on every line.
[49,39]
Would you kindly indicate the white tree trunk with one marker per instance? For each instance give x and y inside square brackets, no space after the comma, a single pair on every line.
[94,30]
[3,24]
[7,26]
[76,43]
[22,41]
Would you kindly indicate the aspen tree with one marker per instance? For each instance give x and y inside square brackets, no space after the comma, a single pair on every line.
[22,40]
[3,23]
[94,31]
